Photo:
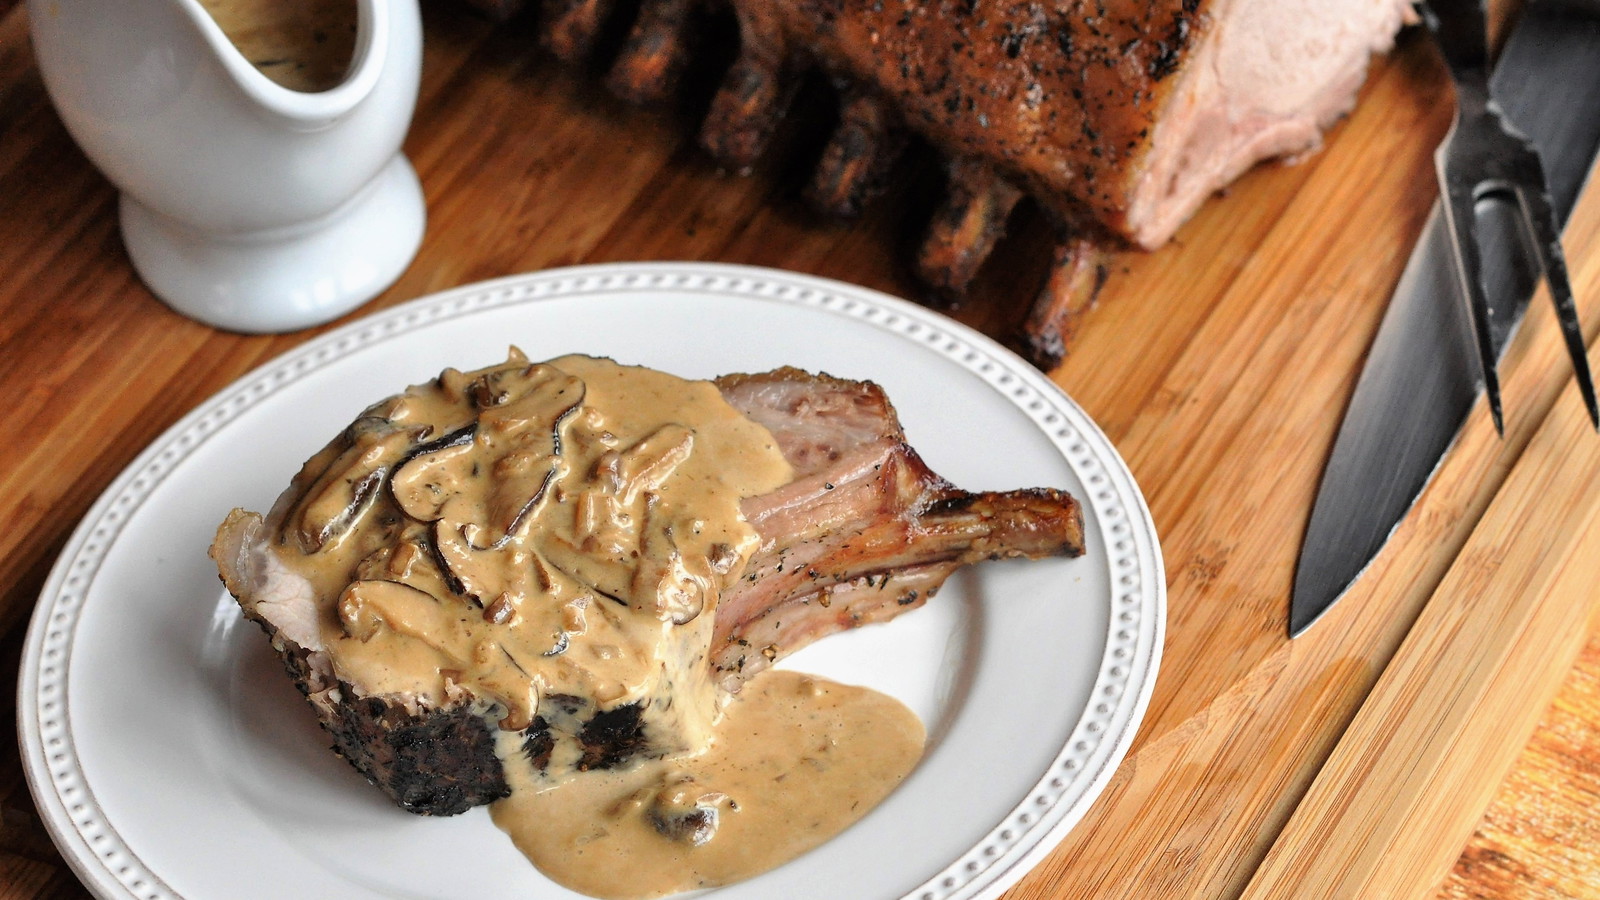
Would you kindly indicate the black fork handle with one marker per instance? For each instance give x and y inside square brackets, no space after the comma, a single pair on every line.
[1461,29]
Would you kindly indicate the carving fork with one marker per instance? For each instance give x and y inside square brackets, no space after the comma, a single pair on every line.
[1485,156]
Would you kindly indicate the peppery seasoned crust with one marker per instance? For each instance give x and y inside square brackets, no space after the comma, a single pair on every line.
[439,762]
[436,762]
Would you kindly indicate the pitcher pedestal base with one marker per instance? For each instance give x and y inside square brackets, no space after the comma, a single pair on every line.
[286,279]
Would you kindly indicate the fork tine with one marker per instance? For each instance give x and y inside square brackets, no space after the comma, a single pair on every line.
[1461,218]
[1541,225]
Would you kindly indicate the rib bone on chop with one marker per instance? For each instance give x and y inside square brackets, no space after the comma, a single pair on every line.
[864,532]
[1119,117]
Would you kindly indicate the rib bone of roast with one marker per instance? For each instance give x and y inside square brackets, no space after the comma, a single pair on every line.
[1120,117]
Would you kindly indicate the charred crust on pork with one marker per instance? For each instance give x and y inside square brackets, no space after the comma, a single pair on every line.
[434,763]
[538,744]
[613,737]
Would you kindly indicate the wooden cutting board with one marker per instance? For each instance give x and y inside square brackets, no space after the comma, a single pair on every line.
[1219,367]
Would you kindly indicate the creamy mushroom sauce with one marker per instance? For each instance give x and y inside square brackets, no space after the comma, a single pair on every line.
[304,45]
[564,529]
[796,760]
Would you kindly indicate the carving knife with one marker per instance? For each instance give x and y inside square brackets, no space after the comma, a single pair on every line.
[1422,377]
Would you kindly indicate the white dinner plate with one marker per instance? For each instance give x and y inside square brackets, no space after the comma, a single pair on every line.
[170,757]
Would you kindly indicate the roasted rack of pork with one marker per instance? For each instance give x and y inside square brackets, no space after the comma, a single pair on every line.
[1119,117]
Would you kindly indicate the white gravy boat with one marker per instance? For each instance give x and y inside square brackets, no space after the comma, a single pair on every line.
[244,204]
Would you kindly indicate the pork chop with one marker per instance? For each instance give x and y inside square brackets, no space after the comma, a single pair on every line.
[862,532]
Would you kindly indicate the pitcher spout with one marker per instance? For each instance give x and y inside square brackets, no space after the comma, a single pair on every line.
[382,29]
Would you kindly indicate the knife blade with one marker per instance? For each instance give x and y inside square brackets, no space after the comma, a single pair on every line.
[1421,378]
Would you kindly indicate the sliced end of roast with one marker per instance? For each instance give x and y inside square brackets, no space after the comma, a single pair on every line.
[1261,80]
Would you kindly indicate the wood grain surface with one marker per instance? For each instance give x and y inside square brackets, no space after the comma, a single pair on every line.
[1538,837]
[1407,746]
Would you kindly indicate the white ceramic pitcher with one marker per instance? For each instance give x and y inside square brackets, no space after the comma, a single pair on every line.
[244,204]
